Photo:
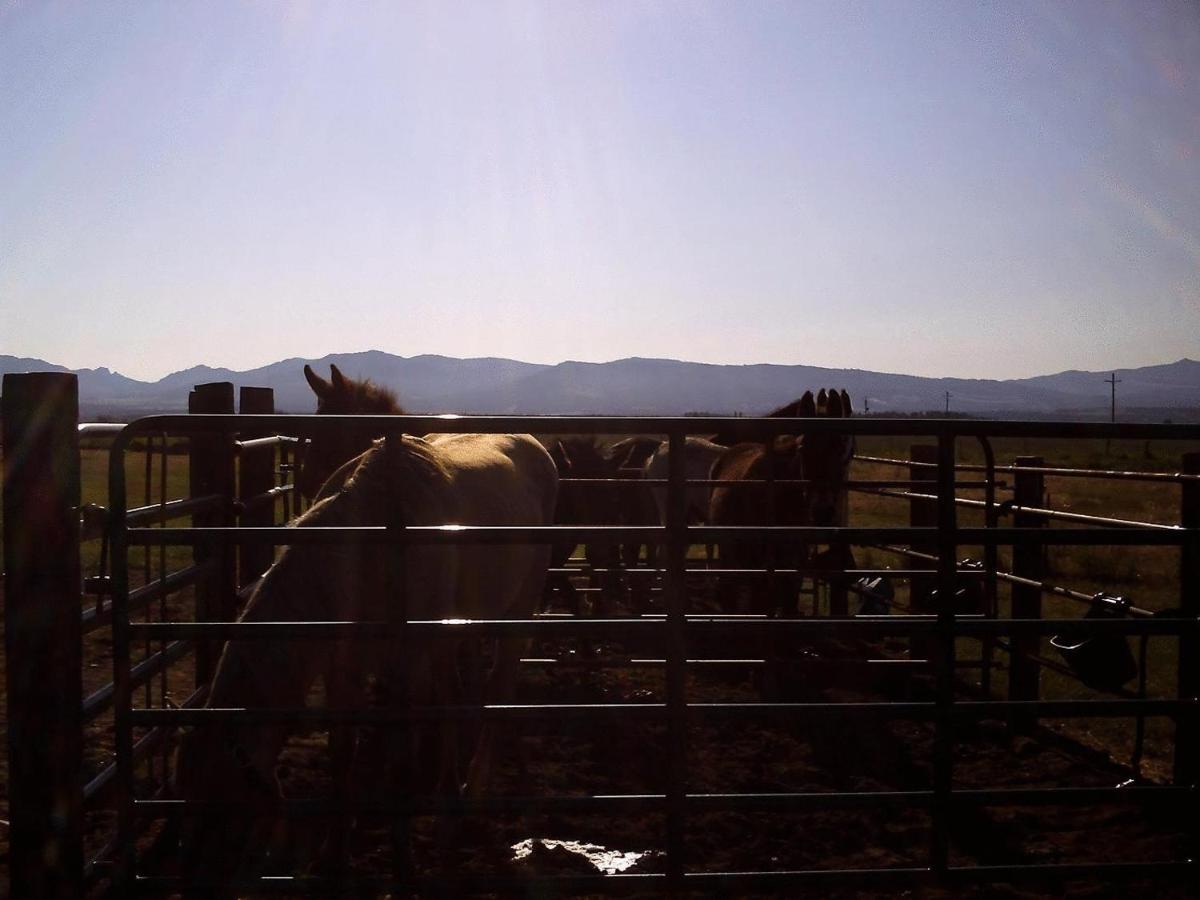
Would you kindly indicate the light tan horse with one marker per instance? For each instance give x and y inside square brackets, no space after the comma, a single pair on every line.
[699,455]
[468,479]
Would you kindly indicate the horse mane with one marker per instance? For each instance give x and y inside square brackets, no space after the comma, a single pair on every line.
[821,406]
[410,467]
[390,477]
[788,411]
[365,396]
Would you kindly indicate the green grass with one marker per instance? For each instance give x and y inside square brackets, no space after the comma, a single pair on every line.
[1148,576]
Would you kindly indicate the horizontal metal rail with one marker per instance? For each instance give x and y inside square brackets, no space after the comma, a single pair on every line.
[649,570]
[274,440]
[101,615]
[93,519]
[1161,535]
[1047,514]
[642,804]
[746,428]
[173,509]
[710,883]
[94,790]
[1109,474]
[698,625]
[98,701]
[961,710]
[94,429]
[266,498]
[1056,590]
[823,664]
[751,482]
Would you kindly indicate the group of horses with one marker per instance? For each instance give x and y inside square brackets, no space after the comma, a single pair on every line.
[358,478]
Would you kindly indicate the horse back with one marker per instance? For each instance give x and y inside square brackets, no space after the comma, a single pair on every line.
[746,505]
[498,479]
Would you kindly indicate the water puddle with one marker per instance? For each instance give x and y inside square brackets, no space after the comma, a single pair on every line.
[610,862]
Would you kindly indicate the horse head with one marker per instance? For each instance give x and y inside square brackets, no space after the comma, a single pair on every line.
[826,458]
[328,450]
[235,834]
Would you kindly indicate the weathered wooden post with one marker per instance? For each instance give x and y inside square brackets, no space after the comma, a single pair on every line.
[256,476]
[43,634]
[1187,729]
[211,471]
[1024,682]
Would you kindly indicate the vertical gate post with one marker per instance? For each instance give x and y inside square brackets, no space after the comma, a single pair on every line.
[676,641]
[43,634]
[211,471]
[922,514]
[256,476]
[1187,729]
[1024,681]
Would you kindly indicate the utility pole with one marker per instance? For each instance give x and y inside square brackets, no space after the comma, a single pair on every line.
[1113,381]
[947,403]
[866,404]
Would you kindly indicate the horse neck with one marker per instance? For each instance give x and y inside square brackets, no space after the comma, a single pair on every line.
[271,672]
[300,587]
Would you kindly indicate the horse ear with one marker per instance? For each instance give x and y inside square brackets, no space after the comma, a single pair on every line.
[833,409]
[808,408]
[319,385]
[846,406]
[340,383]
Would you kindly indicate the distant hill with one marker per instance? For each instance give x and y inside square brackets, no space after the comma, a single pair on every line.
[640,386]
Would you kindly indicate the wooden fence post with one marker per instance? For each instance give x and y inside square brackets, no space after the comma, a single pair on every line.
[1187,728]
[922,514]
[43,634]
[211,471]
[256,476]
[1024,682]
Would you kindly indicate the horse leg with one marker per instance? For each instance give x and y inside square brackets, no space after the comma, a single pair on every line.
[639,587]
[611,582]
[502,684]
[450,687]
[500,688]
[343,691]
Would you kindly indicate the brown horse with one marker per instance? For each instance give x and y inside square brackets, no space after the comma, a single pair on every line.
[467,479]
[821,459]
[583,503]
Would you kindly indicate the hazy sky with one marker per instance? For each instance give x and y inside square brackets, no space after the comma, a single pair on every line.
[970,189]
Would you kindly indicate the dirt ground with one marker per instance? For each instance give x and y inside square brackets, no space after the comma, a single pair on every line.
[609,756]
[850,754]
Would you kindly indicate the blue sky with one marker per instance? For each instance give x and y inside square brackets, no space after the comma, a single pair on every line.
[968,189]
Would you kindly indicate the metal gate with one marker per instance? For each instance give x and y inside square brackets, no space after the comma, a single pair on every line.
[676,631]
[44,621]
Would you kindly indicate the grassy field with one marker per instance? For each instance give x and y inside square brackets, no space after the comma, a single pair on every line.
[1147,576]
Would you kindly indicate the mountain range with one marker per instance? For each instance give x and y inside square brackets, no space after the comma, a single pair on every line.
[638,386]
